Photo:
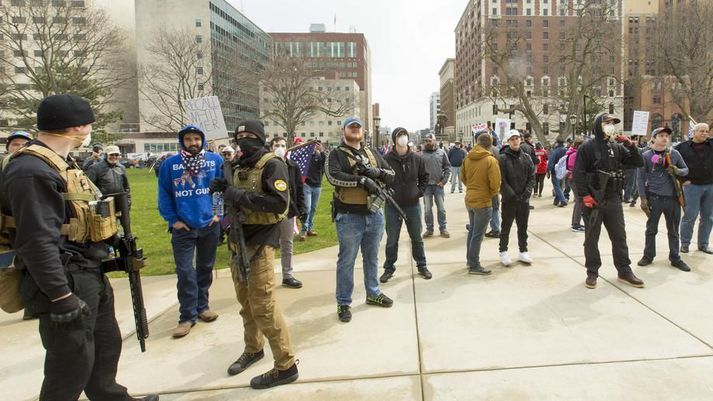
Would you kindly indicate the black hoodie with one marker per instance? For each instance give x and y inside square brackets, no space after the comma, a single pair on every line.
[612,157]
[517,173]
[410,177]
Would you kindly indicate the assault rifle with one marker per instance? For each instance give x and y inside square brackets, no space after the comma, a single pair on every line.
[676,182]
[384,195]
[599,195]
[130,260]
[240,259]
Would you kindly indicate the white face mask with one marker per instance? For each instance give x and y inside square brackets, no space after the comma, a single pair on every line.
[610,130]
[402,140]
[87,141]
[280,152]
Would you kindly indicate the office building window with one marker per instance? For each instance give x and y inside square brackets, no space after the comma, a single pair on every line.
[198,23]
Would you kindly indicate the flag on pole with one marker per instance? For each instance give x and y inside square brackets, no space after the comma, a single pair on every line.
[302,155]
[691,124]
[479,127]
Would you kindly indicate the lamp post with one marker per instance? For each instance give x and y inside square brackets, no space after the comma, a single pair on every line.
[377,121]
[572,122]
[584,122]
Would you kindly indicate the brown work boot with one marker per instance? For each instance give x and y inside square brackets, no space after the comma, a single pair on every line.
[207,316]
[631,279]
[591,281]
[312,233]
[183,329]
[303,236]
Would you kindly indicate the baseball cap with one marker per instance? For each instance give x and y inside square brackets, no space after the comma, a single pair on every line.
[660,130]
[352,120]
[512,133]
[610,117]
[112,150]
[429,136]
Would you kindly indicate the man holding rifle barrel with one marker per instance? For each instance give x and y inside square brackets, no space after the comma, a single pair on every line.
[358,174]
[59,228]
[257,198]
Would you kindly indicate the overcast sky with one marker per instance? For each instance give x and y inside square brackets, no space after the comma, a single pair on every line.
[409,40]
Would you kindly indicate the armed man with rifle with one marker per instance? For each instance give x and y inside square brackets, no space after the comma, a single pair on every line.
[257,197]
[409,184]
[599,178]
[357,173]
[60,228]
[661,193]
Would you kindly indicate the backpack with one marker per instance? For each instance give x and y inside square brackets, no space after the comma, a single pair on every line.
[561,167]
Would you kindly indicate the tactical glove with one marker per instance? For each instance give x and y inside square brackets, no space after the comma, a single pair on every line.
[218,185]
[68,309]
[370,185]
[233,194]
[589,201]
[373,173]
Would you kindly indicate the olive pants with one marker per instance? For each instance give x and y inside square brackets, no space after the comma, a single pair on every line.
[261,315]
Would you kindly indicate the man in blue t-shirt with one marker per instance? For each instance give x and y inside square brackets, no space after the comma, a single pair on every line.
[185,202]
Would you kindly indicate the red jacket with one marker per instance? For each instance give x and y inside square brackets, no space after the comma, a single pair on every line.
[541,167]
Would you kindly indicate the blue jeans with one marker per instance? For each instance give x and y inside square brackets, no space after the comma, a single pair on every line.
[557,185]
[194,282]
[393,231]
[455,177]
[356,231]
[479,219]
[434,192]
[311,201]
[495,214]
[699,200]
[629,184]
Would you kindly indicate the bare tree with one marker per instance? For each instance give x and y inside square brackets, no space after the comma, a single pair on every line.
[581,66]
[177,67]
[49,48]
[294,99]
[684,43]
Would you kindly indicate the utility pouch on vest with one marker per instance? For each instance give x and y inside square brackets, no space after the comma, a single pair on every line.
[354,195]
[10,299]
[102,219]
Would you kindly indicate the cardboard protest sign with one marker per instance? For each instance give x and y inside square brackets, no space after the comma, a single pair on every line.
[205,112]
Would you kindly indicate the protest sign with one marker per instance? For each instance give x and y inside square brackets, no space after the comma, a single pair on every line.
[205,112]
[640,125]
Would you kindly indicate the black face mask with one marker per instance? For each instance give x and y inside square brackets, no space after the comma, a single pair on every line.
[250,145]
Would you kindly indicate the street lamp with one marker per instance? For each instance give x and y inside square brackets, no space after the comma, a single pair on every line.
[584,122]
[572,122]
[377,121]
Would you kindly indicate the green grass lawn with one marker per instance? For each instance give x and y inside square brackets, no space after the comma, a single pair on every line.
[154,238]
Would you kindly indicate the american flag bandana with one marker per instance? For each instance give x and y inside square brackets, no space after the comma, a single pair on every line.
[192,163]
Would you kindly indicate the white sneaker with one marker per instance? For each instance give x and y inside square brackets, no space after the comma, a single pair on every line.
[524,258]
[505,259]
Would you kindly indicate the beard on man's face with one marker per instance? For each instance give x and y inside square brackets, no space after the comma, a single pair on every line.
[194,150]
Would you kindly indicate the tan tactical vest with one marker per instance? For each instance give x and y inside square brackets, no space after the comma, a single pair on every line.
[354,195]
[250,179]
[94,219]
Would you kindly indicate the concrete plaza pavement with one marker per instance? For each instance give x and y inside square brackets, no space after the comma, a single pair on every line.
[522,333]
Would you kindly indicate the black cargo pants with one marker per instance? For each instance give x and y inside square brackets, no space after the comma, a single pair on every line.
[84,355]
[611,216]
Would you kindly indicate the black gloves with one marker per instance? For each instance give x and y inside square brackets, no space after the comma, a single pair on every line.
[68,309]
[370,185]
[373,173]
[218,185]
[233,194]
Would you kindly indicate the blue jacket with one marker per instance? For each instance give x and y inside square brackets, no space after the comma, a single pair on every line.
[555,156]
[179,199]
